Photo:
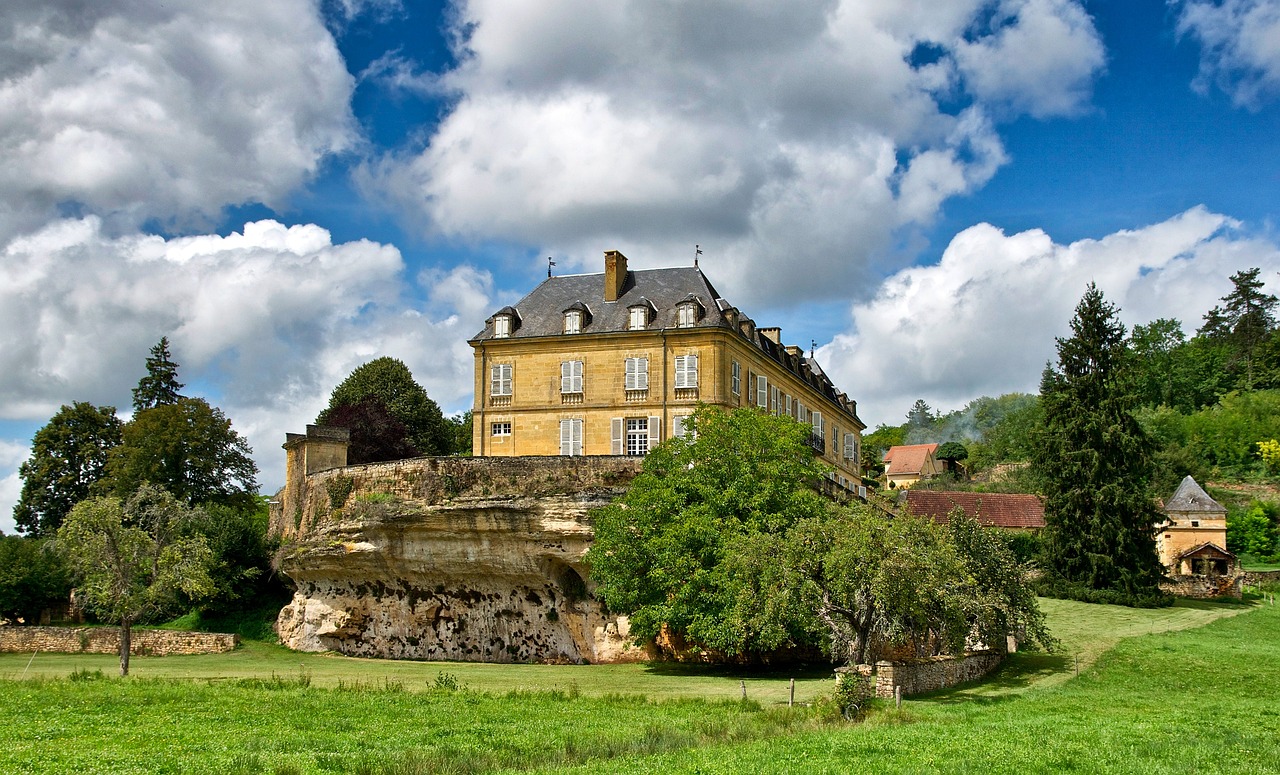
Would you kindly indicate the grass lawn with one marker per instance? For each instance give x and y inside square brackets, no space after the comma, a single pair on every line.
[1176,697]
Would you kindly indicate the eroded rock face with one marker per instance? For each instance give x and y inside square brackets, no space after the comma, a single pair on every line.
[477,559]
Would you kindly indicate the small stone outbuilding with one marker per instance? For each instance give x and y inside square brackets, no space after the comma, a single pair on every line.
[1192,544]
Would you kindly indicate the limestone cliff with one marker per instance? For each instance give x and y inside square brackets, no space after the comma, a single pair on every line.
[477,559]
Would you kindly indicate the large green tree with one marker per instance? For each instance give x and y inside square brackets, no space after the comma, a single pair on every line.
[390,381]
[190,449]
[679,549]
[68,456]
[1095,462]
[130,558]
[160,385]
[32,578]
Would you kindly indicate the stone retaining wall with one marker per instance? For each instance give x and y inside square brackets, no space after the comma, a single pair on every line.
[106,640]
[1202,586]
[1255,578]
[929,675]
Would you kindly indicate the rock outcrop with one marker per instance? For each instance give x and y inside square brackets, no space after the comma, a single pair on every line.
[476,559]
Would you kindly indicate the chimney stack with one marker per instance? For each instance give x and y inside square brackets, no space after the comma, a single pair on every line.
[615,274]
[773,334]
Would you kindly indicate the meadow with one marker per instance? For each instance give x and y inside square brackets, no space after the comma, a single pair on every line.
[1166,690]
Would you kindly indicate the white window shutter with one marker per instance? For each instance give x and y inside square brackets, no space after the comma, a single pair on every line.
[655,431]
[566,437]
[566,376]
[618,427]
[762,392]
[677,425]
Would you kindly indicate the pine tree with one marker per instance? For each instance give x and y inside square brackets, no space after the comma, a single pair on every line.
[1250,317]
[160,386]
[1096,463]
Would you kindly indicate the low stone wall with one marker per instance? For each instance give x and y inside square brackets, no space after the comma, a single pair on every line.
[1203,586]
[106,640]
[929,675]
[1256,578]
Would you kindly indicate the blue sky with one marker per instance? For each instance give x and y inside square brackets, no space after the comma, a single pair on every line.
[288,190]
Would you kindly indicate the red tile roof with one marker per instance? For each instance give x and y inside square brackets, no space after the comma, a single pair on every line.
[992,509]
[908,459]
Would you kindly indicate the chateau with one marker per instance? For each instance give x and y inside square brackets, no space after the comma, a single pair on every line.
[614,363]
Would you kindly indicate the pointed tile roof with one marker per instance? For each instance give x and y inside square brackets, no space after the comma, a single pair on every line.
[908,459]
[1191,497]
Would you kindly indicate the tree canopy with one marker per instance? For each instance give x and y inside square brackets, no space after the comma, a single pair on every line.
[160,386]
[68,456]
[32,578]
[130,558]
[190,449]
[376,434]
[1095,463]
[390,381]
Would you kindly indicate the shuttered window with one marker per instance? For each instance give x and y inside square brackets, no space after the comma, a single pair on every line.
[637,374]
[571,376]
[500,380]
[686,371]
[571,437]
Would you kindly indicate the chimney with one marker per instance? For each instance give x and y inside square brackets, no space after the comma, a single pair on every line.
[615,274]
[773,334]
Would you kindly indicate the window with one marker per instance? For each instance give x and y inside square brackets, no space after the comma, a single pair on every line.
[637,374]
[637,437]
[500,429]
[502,326]
[680,426]
[686,315]
[571,376]
[639,318]
[573,321]
[500,380]
[735,378]
[775,400]
[762,392]
[819,432]
[850,447]
[686,371]
[571,437]
[791,412]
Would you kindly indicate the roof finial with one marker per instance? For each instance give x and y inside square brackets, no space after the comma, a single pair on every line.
[697,251]
[550,264]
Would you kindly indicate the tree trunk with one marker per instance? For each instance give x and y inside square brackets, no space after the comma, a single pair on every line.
[126,631]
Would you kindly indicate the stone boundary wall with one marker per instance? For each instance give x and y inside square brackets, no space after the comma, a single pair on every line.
[106,640]
[1205,587]
[1255,578]
[934,673]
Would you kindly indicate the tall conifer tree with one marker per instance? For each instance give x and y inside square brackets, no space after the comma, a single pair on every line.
[160,386]
[1096,463]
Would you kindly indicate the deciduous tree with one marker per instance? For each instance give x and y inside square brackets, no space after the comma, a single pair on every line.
[32,578]
[68,456]
[130,559]
[390,381]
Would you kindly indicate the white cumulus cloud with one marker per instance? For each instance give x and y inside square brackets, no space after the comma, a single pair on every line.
[982,321]
[167,111]
[1240,42]
[806,135]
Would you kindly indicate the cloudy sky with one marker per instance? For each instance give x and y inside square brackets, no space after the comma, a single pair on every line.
[922,190]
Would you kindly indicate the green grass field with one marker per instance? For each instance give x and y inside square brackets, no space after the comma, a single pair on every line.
[1167,690]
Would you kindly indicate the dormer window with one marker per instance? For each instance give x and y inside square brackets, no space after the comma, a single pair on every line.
[686,315]
[573,322]
[639,318]
[502,326]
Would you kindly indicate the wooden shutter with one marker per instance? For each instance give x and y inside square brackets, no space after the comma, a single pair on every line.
[655,431]
[618,426]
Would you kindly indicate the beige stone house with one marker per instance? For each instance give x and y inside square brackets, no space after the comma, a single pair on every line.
[907,464]
[614,363]
[1192,539]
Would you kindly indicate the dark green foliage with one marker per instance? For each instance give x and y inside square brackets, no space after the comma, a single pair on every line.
[1096,462]
[1248,316]
[68,456]
[32,578]
[920,420]
[1220,439]
[681,546]
[160,386]
[188,448]
[460,432]
[241,569]
[389,380]
[952,450]
[1255,530]
[878,442]
[376,434]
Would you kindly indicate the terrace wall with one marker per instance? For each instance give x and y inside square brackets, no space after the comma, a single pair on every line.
[106,640]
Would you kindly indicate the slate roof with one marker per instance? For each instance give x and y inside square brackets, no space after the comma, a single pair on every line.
[1190,497]
[542,311]
[541,314]
[908,459]
[992,509]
